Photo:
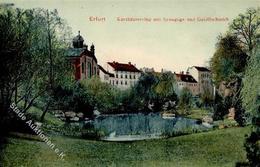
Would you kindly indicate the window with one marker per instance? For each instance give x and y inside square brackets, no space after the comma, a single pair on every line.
[113,82]
[125,75]
[134,76]
[89,70]
[121,76]
[116,75]
[121,82]
[117,82]
[130,76]
[82,67]
[125,82]
[95,71]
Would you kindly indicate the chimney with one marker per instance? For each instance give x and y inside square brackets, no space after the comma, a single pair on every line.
[187,72]
[129,63]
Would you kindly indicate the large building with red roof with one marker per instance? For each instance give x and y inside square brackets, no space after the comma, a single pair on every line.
[121,75]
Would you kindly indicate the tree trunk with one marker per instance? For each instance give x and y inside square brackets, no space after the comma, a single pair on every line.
[45,111]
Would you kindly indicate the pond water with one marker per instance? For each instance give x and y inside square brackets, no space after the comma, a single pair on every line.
[127,127]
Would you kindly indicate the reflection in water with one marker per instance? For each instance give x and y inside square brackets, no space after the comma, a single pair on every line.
[140,126]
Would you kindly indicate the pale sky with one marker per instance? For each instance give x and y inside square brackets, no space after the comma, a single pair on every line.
[172,46]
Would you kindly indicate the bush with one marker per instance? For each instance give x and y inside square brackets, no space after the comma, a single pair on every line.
[92,134]
[185,101]
[221,107]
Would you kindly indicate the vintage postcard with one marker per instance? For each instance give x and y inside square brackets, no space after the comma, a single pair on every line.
[130,83]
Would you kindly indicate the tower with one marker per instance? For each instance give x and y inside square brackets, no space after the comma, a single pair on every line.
[78,41]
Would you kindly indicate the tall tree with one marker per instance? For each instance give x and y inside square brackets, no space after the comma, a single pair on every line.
[228,60]
[25,55]
[251,100]
[15,37]
[247,28]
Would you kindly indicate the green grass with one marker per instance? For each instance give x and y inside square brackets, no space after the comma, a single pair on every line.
[49,119]
[198,113]
[215,148]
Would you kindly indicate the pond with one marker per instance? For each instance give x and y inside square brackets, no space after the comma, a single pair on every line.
[128,127]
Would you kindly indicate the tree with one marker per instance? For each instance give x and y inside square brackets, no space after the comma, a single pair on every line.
[251,101]
[165,91]
[53,31]
[15,37]
[185,101]
[102,95]
[246,27]
[25,56]
[228,60]
[145,88]
[228,64]
[206,98]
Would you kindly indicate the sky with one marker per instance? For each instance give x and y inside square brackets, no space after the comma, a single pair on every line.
[159,44]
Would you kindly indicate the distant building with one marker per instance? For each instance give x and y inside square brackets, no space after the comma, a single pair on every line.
[186,81]
[204,77]
[105,76]
[83,60]
[122,76]
[147,70]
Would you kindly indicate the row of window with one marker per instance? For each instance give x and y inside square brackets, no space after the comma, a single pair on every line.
[205,75]
[190,84]
[113,82]
[126,76]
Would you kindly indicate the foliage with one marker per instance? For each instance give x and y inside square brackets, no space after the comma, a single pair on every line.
[251,100]
[228,59]
[199,113]
[185,101]
[206,98]
[102,95]
[251,83]
[32,55]
[220,107]
[145,88]
[246,28]
[156,90]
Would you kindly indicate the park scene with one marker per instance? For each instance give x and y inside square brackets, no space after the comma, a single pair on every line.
[121,86]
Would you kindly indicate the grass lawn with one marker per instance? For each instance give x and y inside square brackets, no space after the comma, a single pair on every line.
[215,148]
[198,113]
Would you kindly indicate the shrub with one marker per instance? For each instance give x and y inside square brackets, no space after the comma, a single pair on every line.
[185,101]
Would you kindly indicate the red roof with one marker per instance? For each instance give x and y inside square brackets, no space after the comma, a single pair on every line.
[185,78]
[123,67]
[201,68]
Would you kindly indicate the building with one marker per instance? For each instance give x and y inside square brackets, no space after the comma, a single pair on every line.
[204,78]
[186,81]
[83,60]
[147,70]
[123,76]
[105,76]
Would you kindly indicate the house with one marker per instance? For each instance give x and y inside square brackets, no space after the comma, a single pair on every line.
[186,81]
[204,78]
[122,76]
[83,60]
[105,76]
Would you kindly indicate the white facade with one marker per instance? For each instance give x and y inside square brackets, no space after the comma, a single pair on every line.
[122,79]
[204,78]
[186,81]
[104,77]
